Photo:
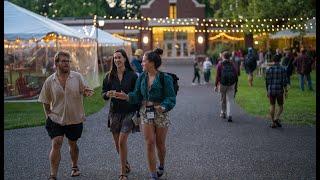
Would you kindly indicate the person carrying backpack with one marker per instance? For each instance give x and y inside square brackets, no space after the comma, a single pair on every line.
[226,78]
[156,91]
[250,64]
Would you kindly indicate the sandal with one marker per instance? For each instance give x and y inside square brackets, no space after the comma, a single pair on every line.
[128,169]
[75,171]
[277,121]
[52,177]
[123,177]
[273,125]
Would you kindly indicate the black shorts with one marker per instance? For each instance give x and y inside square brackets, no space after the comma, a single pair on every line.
[278,98]
[73,132]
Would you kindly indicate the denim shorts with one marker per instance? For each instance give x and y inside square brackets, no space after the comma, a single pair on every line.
[160,120]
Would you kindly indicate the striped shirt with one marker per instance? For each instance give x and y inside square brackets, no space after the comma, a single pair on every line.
[276,80]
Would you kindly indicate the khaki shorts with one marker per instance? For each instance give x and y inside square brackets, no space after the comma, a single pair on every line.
[160,120]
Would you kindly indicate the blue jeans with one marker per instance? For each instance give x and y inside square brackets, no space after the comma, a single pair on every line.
[206,75]
[302,81]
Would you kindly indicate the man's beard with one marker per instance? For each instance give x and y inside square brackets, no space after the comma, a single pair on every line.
[63,70]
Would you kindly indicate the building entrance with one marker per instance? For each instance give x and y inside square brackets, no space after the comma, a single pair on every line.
[176,49]
[174,44]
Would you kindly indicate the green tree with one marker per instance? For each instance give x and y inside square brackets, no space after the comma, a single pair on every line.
[83,8]
[259,8]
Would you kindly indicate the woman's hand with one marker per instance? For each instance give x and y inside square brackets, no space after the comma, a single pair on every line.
[121,95]
[160,109]
[111,93]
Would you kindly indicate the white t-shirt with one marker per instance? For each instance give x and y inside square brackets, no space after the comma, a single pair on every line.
[207,65]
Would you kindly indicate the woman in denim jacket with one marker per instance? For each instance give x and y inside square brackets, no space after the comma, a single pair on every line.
[156,100]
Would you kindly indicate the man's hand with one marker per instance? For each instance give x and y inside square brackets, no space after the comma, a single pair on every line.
[87,92]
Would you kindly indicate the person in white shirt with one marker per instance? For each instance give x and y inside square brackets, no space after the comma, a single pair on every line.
[207,65]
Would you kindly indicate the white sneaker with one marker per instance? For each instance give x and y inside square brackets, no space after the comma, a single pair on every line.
[193,84]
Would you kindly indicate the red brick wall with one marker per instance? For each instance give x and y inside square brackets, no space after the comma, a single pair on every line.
[187,9]
[158,9]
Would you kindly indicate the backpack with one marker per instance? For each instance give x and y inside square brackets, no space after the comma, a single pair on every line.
[228,76]
[251,62]
[175,80]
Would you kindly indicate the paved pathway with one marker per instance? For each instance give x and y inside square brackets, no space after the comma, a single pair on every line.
[200,145]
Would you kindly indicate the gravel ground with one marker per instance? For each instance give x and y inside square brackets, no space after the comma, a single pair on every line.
[200,145]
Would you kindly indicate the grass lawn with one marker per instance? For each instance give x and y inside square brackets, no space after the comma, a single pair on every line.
[21,115]
[299,107]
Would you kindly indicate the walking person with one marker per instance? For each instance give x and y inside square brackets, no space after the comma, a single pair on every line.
[250,64]
[226,78]
[196,72]
[303,64]
[276,85]
[237,60]
[121,78]
[261,63]
[287,63]
[157,100]
[62,97]
[207,65]
[136,61]
[237,64]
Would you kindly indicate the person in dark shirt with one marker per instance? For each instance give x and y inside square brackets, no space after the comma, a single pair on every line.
[196,70]
[121,78]
[276,85]
[157,98]
[250,64]
[287,62]
[303,64]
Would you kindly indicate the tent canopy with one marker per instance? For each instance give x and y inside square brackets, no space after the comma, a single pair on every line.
[103,36]
[284,34]
[309,32]
[24,24]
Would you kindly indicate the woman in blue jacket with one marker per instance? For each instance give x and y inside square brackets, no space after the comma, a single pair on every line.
[156,101]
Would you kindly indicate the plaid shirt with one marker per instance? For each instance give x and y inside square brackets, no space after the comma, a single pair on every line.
[276,80]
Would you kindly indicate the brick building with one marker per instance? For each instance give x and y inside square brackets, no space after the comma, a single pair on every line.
[149,34]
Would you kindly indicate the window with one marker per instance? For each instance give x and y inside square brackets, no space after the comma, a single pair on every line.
[173,11]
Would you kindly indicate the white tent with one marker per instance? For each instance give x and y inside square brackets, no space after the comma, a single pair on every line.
[24,24]
[311,28]
[103,36]
[309,32]
[284,34]
[24,54]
